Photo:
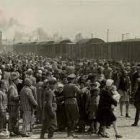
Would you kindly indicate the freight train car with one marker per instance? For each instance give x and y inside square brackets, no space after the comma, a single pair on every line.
[88,48]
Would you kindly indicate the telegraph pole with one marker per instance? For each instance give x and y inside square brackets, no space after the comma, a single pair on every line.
[0,39]
[107,36]
[123,37]
[91,35]
[127,35]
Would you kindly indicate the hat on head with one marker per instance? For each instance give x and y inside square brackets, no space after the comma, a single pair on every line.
[40,84]
[40,71]
[28,81]
[72,76]
[109,82]
[52,81]
[60,85]
[14,75]
[45,82]
[29,71]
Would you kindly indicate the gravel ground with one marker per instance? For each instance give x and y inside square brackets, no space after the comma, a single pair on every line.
[123,123]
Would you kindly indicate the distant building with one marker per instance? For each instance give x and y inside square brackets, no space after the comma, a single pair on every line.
[130,40]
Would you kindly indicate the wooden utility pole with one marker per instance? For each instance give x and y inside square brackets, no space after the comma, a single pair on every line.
[107,36]
[123,37]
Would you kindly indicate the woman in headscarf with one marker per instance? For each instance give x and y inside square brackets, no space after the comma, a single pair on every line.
[105,114]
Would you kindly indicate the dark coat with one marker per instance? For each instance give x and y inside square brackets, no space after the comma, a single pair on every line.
[124,83]
[137,98]
[83,98]
[105,115]
[50,108]
[71,106]
[61,115]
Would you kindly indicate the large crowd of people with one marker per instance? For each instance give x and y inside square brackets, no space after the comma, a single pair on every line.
[65,95]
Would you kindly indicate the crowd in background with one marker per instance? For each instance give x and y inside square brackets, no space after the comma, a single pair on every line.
[65,95]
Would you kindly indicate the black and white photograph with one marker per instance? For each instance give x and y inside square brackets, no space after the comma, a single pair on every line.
[70,69]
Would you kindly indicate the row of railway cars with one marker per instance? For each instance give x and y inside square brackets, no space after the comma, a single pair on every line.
[89,48]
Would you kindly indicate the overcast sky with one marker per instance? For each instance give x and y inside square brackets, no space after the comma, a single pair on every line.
[69,17]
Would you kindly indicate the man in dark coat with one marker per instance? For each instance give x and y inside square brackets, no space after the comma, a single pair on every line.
[71,106]
[134,77]
[137,103]
[50,107]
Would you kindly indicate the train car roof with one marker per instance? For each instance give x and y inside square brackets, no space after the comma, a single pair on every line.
[91,41]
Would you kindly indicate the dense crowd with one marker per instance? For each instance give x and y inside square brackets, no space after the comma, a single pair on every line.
[65,95]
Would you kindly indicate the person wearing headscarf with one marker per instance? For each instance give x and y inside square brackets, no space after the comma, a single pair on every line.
[61,115]
[27,102]
[105,115]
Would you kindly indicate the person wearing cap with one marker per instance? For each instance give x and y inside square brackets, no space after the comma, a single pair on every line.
[27,102]
[13,104]
[70,92]
[50,107]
